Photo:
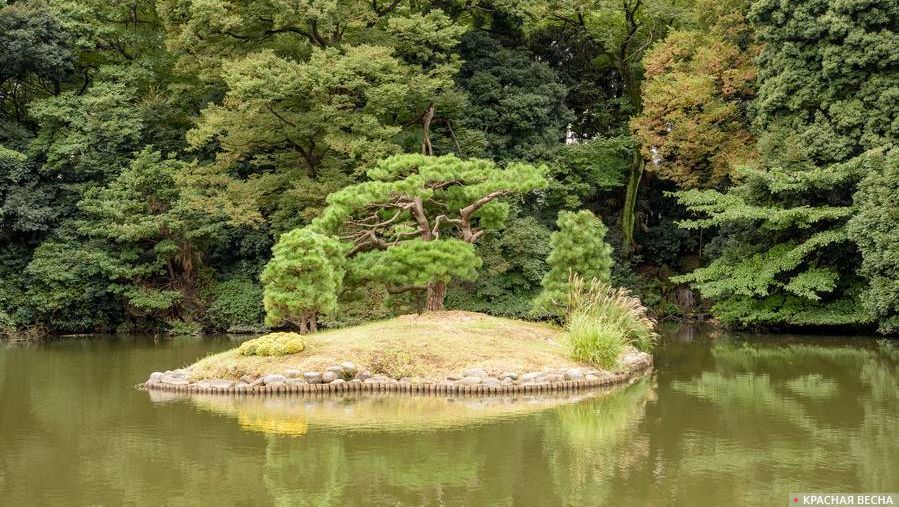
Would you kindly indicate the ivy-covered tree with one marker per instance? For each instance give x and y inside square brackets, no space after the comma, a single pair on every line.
[875,229]
[786,256]
[413,225]
[578,247]
[303,279]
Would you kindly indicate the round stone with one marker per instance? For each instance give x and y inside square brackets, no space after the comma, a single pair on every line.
[274,379]
[175,381]
[221,384]
[553,378]
[313,377]
[574,374]
[348,368]
[329,376]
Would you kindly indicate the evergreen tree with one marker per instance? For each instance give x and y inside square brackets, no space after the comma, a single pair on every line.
[875,229]
[786,257]
[151,237]
[578,247]
[303,279]
[413,225]
[314,93]
[36,59]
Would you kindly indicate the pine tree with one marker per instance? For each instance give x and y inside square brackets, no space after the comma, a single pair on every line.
[413,225]
[579,248]
[303,279]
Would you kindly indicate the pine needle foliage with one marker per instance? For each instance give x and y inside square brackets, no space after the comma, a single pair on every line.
[578,247]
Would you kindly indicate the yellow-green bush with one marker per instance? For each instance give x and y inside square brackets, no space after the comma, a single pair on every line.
[273,344]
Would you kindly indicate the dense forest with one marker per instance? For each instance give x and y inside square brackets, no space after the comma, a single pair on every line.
[164,164]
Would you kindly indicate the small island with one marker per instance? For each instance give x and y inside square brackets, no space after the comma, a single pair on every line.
[449,352]
[411,230]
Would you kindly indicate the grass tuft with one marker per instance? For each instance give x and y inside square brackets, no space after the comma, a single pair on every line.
[601,321]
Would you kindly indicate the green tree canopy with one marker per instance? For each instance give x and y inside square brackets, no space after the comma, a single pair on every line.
[516,101]
[36,58]
[315,92]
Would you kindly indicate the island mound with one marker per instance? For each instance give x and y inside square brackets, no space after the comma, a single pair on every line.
[447,352]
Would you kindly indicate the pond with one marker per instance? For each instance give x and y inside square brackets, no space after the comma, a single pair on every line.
[724,419]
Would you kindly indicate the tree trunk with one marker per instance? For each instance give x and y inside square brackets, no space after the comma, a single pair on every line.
[312,318]
[426,147]
[436,295]
[628,212]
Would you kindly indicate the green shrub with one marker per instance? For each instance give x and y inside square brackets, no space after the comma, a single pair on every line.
[602,320]
[273,344]
[236,304]
[302,279]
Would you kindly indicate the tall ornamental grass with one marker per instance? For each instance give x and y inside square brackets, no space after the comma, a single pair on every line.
[601,321]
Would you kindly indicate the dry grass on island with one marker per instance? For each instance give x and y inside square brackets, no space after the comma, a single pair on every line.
[431,345]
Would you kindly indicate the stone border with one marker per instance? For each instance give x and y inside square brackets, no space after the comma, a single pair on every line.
[445,389]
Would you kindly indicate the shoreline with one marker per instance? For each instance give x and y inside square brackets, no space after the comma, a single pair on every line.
[548,382]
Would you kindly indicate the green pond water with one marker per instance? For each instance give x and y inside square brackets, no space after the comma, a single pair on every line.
[724,419]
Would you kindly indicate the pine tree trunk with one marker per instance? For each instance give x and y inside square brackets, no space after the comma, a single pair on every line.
[313,322]
[436,295]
